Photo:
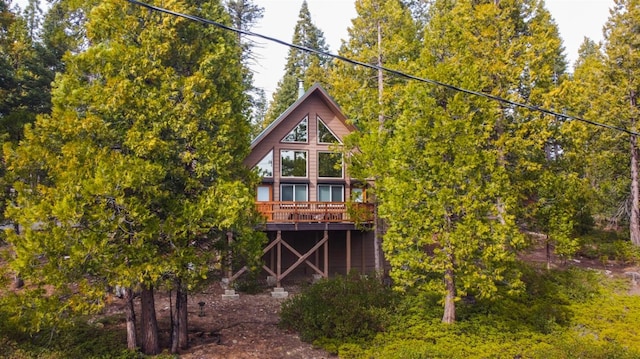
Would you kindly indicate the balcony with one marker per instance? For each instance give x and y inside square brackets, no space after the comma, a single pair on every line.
[316,212]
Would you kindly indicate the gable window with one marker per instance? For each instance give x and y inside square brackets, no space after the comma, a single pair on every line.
[293,192]
[329,165]
[324,133]
[265,166]
[299,134]
[293,163]
[330,193]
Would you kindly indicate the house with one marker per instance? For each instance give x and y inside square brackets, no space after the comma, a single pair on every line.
[317,218]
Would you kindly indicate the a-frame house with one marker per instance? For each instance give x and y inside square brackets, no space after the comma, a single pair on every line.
[316,216]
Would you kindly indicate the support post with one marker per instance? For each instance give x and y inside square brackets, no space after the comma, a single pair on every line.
[326,254]
[278,258]
[348,251]
[229,259]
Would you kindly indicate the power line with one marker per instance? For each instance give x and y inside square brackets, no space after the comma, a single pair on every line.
[375,67]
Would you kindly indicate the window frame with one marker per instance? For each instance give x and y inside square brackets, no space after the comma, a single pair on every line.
[331,186]
[319,121]
[293,186]
[318,156]
[306,165]
[305,119]
[258,168]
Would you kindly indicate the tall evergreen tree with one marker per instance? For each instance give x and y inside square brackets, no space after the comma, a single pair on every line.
[301,65]
[601,155]
[622,49]
[137,173]
[464,165]
[244,16]
[382,34]
[26,73]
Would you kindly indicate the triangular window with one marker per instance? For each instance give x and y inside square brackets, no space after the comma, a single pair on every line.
[299,133]
[324,133]
[265,166]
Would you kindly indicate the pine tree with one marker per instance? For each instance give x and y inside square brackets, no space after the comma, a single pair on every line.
[461,166]
[244,16]
[382,34]
[623,89]
[137,173]
[26,72]
[301,65]
[599,154]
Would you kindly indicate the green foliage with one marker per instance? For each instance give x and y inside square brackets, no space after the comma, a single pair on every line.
[608,245]
[137,171]
[80,339]
[344,309]
[562,314]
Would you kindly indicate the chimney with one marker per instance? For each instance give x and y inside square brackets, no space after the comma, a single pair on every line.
[300,88]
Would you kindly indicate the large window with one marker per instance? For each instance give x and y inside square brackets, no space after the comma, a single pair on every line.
[299,133]
[293,163]
[329,165]
[293,192]
[265,166]
[330,193]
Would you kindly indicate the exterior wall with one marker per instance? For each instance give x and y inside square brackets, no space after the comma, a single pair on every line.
[312,107]
[315,103]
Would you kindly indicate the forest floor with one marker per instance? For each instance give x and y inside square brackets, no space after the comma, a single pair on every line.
[241,328]
[247,327]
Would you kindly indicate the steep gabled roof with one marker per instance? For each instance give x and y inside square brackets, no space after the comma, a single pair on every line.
[315,90]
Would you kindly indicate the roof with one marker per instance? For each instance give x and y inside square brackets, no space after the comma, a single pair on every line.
[317,90]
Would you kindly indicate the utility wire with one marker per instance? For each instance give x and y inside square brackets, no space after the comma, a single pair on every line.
[375,67]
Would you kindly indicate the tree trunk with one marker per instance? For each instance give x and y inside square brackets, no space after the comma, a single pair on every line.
[181,310]
[175,323]
[547,246]
[132,340]
[148,323]
[449,316]
[17,280]
[179,324]
[377,232]
[634,225]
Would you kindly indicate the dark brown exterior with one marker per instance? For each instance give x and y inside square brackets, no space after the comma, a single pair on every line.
[348,246]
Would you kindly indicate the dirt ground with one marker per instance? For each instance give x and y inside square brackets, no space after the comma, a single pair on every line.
[247,327]
[241,328]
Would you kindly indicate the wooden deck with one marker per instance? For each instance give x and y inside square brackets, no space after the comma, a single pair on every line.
[316,212]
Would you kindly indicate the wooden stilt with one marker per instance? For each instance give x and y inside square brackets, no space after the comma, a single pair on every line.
[363,250]
[348,251]
[279,258]
[229,257]
[326,253]
[272,260]
[316,255]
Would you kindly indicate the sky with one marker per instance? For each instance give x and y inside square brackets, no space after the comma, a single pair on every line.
[575,19]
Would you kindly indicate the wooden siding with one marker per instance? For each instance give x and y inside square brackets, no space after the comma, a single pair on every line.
[313,106]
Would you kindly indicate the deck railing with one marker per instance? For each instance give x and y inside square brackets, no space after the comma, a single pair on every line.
[314,212]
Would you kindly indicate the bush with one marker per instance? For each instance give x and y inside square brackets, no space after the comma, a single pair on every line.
[346,308]
[608,245]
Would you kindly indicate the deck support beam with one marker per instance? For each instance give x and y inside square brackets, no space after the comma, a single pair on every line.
[348,251]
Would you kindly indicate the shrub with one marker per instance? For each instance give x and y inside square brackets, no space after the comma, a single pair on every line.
[345,308]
